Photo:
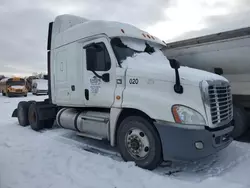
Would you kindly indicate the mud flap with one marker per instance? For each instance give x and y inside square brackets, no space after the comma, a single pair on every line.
[14,113]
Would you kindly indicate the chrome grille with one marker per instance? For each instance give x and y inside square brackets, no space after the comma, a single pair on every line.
[220,101]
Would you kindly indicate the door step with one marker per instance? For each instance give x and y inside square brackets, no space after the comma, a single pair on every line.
[89,136]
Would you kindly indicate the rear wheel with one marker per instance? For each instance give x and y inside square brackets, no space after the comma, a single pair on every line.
[3,94]
[22,113]
[138,141]
[240,121]
[33,116]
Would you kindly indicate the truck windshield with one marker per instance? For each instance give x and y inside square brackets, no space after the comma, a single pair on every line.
[126,49]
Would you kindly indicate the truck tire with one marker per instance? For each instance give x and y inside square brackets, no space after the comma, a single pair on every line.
[22,113]
[3,94]
[34,121]
[138,141]
[29,103]
[240,122]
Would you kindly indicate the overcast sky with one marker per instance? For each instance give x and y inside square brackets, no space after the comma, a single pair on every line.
[23,23]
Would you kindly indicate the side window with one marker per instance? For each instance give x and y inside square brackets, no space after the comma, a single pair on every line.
[97,57]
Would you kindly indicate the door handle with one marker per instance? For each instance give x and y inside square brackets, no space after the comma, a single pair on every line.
[86,91]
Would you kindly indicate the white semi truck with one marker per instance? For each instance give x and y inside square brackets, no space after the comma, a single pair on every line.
[111,81]
[227,54]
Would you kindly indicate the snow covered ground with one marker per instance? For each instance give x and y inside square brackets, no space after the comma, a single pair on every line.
[58,159]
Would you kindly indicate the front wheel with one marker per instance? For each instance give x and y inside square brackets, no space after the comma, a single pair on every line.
[240,122]
[138,141]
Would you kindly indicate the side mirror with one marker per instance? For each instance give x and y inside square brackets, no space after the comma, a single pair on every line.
[174,64]
[105,77]
[91,58]
[218,71]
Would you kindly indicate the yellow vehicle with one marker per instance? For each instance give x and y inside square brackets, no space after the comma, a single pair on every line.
[13,87]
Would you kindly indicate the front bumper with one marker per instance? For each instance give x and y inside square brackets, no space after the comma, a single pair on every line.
[15,94]
[178,141]
[41,92]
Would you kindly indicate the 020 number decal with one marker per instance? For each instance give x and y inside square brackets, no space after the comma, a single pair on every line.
[133,81]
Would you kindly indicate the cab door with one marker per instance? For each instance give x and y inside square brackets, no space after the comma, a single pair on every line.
[99,73]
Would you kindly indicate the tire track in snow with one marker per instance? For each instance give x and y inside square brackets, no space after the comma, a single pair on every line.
[213,166]
[216,165]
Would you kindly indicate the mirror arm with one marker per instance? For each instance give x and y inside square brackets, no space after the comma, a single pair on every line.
[97,75]
[101,77]
[175,65]
[177,87]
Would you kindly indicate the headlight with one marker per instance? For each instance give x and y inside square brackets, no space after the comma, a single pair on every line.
[186,115]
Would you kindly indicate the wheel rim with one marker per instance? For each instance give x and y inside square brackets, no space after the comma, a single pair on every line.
[137,143]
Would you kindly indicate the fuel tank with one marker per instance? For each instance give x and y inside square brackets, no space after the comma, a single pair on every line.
[93,123]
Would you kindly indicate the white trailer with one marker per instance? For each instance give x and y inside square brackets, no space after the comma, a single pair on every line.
[111,81]
[226,53]
[39,87]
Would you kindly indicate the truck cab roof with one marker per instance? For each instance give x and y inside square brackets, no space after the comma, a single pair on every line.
[69,28]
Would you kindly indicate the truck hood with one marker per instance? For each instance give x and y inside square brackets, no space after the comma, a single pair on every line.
[157,67]
[195,76]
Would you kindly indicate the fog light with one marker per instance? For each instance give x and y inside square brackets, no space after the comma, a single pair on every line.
[199,145]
